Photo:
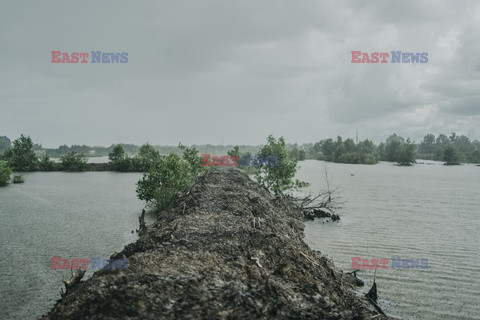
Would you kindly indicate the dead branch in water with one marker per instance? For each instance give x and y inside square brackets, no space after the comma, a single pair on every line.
[322,205]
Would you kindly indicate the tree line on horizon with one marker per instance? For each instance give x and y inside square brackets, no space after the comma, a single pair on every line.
[164,175]
[129,149]
[24,155]
[451,150]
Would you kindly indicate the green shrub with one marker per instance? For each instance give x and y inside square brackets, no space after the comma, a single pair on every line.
[5,173]
[406,154]
[191,156]
[451,155]
[167,176]
[278,178]
[21,156]
[18,179]
[46,164]
[74,162]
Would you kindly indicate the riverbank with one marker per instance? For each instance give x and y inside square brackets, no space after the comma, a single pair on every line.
[225,249]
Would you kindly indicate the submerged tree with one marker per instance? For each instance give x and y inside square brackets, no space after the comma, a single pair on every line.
[5,173]
[392,150]
[451,155]
[46,164]
[74,162]
[117,153]
[119,161]
[406,154]
[21,156]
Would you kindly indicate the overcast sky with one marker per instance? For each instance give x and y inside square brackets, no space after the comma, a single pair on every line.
[232,72]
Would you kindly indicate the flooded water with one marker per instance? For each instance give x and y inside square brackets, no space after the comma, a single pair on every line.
[424,212]
[68,215]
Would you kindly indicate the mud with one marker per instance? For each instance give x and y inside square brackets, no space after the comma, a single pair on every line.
[225,249]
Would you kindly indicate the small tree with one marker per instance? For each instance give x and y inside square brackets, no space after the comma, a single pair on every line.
[21,156]
[45,164]
[450,155]
[235,152]
[74,162]
[302,155]
[5,173]
[191,156]
[392,150]
[117,154]
[475,156]
[278,178]
[406,154]
[119,161]
[148,156]
[166,177]
[328,147]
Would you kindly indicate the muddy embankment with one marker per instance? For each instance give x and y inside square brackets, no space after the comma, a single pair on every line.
[226,249]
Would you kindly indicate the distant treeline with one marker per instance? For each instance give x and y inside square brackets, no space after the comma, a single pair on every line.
[452,150]
[22,155]
[129,149]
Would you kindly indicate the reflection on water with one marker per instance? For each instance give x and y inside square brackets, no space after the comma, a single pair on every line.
[425,211]
[69,215]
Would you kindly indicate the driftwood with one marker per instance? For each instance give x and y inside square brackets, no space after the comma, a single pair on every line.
[372,293]
[321,205]
[358,282]
[141,220]
[373,297]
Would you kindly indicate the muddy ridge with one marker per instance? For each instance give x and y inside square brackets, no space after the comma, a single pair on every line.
[225,249]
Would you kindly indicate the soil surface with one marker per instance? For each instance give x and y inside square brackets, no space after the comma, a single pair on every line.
[225,249]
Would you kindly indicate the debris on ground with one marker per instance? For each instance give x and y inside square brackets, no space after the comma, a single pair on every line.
[225,249]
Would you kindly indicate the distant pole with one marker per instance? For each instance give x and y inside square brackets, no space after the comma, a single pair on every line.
[357,137]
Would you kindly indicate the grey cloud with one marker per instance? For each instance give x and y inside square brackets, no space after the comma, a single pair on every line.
[207,71]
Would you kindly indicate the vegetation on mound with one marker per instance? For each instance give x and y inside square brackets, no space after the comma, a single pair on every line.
[167,176]
[278,178]
[172,174]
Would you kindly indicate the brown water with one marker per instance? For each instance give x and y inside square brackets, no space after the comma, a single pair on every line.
[425,211]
